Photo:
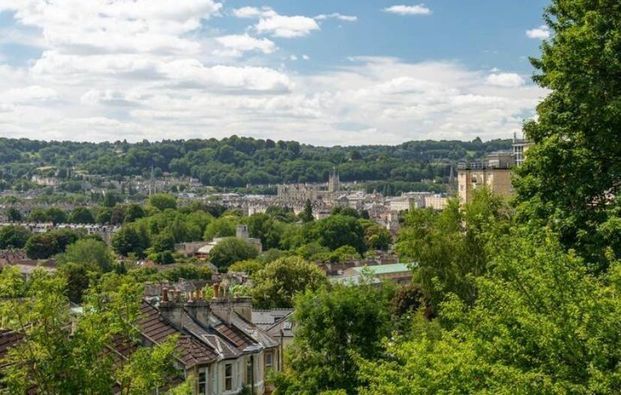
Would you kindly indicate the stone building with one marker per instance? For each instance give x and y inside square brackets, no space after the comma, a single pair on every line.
[494,173]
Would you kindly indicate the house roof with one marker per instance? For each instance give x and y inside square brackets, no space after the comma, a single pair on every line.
[204,342]
[384,269]
[155,328]
[265,319]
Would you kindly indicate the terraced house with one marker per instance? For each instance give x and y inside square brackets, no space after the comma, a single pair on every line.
[218,344]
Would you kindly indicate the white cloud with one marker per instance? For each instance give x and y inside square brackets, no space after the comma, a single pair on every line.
[98,26]
[419,9]
[293,57]
[145,86]
[286,26]
[237,44]
[336,15]
[249,12]
[276,25]
[29,94]
[508,80]
[540,33]
[305,57]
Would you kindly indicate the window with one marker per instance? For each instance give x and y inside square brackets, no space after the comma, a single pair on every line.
[203,373]
[269,360]
[249,373]
[228,377]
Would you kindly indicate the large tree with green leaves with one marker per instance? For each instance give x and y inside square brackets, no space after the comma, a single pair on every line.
[333,327]
[449,247]
[541,324]
[13,236]
[276,284]
[231,250]
[573,172]
[63,353]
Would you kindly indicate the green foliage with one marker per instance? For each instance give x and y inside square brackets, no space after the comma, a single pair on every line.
[54,361]
[249,266]
[540,324]
[376,237]
[56,215]
[133,212]
[336,231]
[130,239]
[307,214]
[237,161]
[220,227]
[449,248]
[81,215]
[162,201]
[231,250]
[276,284]
[572,172]
[13,236]
[265,228]
[89,252]
[187,272]
[14,215]
[45,245]
[332,326]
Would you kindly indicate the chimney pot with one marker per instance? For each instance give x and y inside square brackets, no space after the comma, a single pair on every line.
[164,294]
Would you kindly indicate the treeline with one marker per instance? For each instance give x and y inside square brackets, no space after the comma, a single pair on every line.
[239,161]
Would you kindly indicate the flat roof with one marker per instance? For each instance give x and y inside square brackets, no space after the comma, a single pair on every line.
[385,269]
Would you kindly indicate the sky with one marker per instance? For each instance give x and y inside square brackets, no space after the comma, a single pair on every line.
[323,72]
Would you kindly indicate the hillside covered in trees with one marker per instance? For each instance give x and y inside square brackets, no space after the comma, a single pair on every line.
[238,161]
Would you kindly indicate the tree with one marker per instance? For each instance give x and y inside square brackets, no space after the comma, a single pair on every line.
[279,281]
[571,174]
[13,236]
[249,266]
[449,248]
[81,215]
[130,239]
[53,360]
[265,228]
[92,253]
[162,201]
[333,327]
[78,278]
[14,215]
[45,245]
[38,215]
[376,237]
[133,212]
[104,216]
[163,242]
[540,324]
[338,230]
[231,250]
[307,214]
[220,227]
[56,215]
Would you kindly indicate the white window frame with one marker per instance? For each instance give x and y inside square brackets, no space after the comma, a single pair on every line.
[204,381]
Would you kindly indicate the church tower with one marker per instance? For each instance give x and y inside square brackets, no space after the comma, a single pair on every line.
[334,184]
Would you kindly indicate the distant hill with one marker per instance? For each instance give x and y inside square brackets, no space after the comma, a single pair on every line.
[239,161]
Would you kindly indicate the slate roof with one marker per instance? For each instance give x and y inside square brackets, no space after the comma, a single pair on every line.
[155,328]
[203,343]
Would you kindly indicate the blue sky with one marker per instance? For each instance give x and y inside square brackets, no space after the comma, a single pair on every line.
[323,72]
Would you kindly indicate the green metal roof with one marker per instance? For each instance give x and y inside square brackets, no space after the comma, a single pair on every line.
[385,269]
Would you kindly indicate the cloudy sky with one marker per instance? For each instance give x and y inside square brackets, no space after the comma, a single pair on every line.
[318,71]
